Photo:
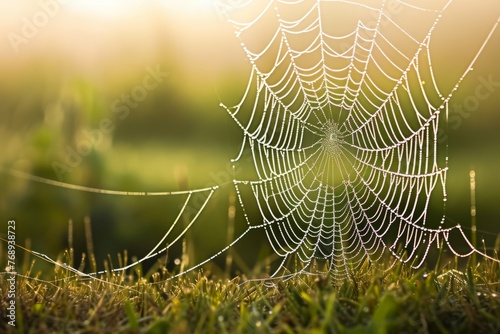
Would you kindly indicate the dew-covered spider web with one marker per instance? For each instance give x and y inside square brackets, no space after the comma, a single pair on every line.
[341,122]
[341,118]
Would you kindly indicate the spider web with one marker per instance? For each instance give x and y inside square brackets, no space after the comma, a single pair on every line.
[342,126]
[340,123]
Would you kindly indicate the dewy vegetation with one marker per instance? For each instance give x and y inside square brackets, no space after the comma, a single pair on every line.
[372,300]
[341,128]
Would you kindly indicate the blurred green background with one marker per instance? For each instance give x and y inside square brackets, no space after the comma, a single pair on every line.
[67,77]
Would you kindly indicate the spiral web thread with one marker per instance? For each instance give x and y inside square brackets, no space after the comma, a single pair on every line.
[341,125]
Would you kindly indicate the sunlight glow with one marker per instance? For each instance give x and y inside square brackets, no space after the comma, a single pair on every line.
[104,7]
[119,7]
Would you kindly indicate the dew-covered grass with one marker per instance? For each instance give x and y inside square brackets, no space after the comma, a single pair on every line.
[447,299]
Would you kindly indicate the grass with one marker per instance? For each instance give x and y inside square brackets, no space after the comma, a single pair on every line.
[395,300]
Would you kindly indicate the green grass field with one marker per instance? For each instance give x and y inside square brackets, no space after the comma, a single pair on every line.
[374,299]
